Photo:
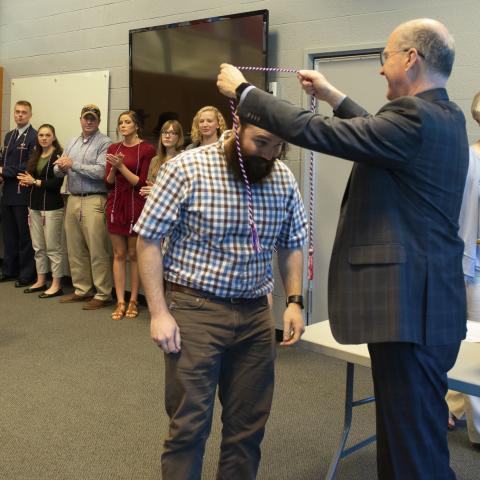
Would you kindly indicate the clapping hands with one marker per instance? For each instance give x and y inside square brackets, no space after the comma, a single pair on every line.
[115,160]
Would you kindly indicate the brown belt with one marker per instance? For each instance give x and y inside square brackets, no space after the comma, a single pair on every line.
[175,287]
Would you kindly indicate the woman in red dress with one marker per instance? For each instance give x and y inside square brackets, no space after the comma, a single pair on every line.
[125,174]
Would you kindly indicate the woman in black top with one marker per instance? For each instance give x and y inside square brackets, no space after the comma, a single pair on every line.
[45,212]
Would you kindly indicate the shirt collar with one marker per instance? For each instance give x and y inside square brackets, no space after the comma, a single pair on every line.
[22,130]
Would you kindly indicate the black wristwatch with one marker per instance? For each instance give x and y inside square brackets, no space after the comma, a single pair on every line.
[298,299]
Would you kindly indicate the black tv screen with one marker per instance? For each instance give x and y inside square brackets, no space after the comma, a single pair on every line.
[173,68]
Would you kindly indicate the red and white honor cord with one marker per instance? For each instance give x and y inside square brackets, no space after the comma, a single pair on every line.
[311,202]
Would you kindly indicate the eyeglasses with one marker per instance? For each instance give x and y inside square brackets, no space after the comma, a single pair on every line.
[170,133]
[384,56]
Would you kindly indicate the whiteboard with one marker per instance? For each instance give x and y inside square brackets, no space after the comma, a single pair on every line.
[58,100]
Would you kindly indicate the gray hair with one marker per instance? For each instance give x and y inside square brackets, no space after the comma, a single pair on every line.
[433,41]
[475,109]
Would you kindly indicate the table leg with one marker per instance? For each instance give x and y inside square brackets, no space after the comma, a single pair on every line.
[347,422]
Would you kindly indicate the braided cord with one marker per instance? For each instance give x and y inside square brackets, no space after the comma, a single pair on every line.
[311,202]
[255,240]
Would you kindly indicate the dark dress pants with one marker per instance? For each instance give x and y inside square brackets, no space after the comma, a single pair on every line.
[410,383]
[232,346]
[18,256]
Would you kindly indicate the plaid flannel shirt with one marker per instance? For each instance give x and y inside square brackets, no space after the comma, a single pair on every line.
[198,204]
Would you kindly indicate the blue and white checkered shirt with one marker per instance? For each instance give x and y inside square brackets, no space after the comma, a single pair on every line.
[202,208]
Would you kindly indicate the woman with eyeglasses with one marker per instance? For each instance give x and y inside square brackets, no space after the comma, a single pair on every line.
[461,404]
[45,213]
[170,144]
[125,174]
[207,127]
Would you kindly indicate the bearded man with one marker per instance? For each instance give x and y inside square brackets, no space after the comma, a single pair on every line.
[213,322]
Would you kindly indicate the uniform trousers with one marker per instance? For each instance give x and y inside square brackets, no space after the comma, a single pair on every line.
[410,383]
[46,231]
[231,346]
[88,245]
[18,253]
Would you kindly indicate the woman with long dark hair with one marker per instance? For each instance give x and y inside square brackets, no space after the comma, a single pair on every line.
[125,174]
[46,208]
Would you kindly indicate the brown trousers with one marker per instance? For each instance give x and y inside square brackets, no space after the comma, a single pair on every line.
[224,344]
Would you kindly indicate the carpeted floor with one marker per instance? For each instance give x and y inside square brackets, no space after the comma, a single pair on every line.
[81,398]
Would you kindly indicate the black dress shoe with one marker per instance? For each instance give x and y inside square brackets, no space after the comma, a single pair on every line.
[6,278]
[35,289]
[22,283]
[58,293]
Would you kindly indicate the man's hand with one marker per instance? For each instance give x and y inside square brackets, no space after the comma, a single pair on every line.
[64,163]
[293,324]
[314,83]
[165,333]
[229,79]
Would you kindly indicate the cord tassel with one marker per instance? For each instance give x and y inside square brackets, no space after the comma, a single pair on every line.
[310,266]
[255,239]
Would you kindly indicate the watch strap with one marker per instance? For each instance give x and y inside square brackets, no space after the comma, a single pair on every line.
[298,299]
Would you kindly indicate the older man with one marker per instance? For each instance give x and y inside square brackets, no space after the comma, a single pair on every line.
[88,245]
[214,324]
[396,278]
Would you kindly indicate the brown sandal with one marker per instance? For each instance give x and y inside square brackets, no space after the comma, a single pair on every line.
[119,311]
[132,310]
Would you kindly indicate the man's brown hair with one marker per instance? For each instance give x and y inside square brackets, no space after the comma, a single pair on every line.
[24,103]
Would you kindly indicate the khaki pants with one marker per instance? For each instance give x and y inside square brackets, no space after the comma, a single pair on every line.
[88,244]
[232,346]
[46,234]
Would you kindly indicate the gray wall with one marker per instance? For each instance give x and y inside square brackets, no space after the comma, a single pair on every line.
[39,37]
[61,36]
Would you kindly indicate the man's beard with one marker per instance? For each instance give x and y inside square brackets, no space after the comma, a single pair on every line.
[256,168]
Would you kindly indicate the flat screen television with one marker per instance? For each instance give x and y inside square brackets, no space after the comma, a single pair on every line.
[173,68]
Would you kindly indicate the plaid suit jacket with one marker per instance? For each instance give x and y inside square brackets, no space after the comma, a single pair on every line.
[396,266]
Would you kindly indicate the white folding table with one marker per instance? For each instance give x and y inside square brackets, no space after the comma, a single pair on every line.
[463,377]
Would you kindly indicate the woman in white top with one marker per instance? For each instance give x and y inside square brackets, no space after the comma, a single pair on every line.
[460,404]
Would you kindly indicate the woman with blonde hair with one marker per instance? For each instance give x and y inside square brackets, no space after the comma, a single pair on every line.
[207,127]
[170,144]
